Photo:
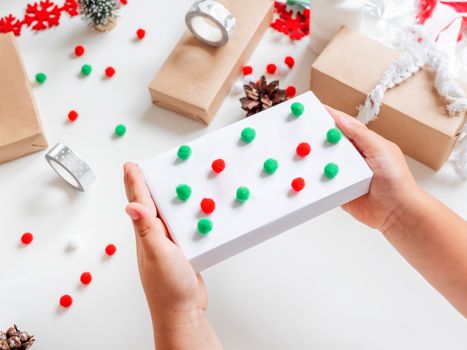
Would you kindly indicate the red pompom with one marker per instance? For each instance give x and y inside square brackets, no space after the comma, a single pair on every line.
[271,68]
[123,2]
[110,249]
[109,72]
[79,50]
[218,165]
[298,184]
[303,149]
[66,300]
[291,91]
[72,116]
[27,238]
[140,33]
[207,205]
[86,278]
[289,60]
[247,70]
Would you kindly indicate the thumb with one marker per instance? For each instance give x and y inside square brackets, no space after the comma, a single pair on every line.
[150,231]
[366,141]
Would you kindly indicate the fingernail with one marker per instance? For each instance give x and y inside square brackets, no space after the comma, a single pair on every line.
[133,214]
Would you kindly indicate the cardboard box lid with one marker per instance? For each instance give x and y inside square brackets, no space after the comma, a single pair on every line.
[206,79]
[359,62]
[18,113]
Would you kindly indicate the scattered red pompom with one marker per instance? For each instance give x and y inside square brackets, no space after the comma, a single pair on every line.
[298,184]
[110,249]
[27,238]
[109,72]
[289,60]
[303,149]
[140,33]
[271,68]
[123,2]
[291,91]
[247,70]
[218,165]
[79,50]
[66,300]
[72,116]
[207,205]
[86,278]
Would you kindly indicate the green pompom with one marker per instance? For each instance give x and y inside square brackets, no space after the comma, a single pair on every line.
[270,166]
[204,226]
[184,152]
[297,109]
[243,193]
[120,130]
[248,135]
[334,135]
[86,69]
[331,170]
[41,78]
[183,192]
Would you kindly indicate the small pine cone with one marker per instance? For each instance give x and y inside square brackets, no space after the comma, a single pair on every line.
[14,342]
[12,331]
[4,345]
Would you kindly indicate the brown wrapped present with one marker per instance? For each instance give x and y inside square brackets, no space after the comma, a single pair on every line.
[412,115]
[20,128]
[195,78]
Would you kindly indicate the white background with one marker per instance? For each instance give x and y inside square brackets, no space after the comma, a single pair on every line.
[331,283]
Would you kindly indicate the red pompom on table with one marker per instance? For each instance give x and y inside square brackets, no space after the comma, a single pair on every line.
[79,50]
[207,205]
[109,72]
[289,60]
[218,165]
[303,149]
[27,238]
[271,68]
[298,184]
[247,70]
[66,301]
[140,33]
[110,249]
[86,278]
[291,91]
[72,116]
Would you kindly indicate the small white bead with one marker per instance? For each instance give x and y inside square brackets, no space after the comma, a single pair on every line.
[237,87]
[74,243]
[283,69]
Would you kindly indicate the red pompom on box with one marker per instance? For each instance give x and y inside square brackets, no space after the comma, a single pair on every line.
[207,205]
[218,165]
[298,184]
[303,149]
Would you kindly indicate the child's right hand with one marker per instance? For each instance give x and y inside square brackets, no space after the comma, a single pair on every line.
[393,188]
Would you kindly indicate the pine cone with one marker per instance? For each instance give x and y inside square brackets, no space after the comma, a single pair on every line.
[261,96]
[13,339]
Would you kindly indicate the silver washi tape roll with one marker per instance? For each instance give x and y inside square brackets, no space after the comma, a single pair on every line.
[210,22]
[70,167]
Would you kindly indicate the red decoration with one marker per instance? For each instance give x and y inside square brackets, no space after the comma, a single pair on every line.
[109,72]
[291,91]
[39,15]
[298,184]
[425,10]
[207,205]
[66,300]
[289,60]
[303,149]
[218,165]
[247,70]
[124,2]
[79,50]
[140,33]
[72,116]
[86,278]
[27,238]
[294,27]
[110,249]
[271,68]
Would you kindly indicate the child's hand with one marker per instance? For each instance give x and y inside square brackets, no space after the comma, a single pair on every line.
[175,293]
[393,188]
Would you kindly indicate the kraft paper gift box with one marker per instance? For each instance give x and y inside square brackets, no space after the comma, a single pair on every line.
[21,131]
[413,115]
[196,77]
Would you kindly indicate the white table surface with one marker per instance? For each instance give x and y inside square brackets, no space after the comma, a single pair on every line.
[331,283]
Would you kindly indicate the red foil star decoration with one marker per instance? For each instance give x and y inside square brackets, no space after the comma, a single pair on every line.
[295,27]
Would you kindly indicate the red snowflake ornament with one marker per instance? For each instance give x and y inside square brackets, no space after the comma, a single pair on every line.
[10,24]
[294,27]
[70,7]
[42,15]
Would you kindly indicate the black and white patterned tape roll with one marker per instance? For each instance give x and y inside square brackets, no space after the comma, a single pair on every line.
[210,22]
[70,167]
